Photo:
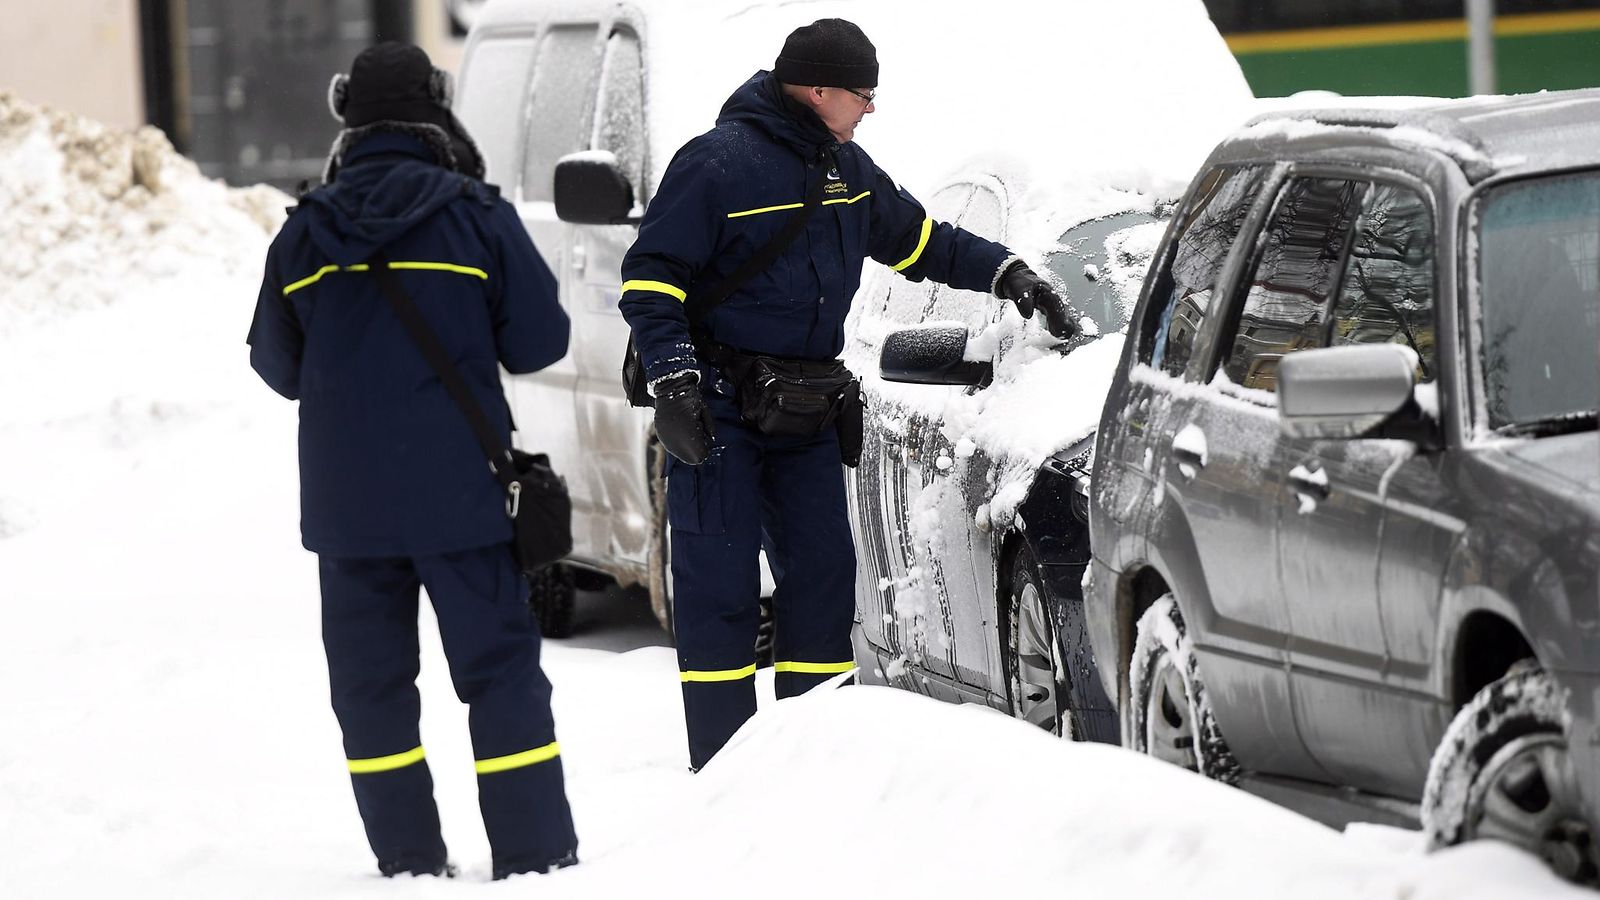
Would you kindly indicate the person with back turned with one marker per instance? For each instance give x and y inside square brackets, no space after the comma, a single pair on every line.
[395,494]
[749,398]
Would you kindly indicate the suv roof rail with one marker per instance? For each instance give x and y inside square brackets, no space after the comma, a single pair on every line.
[1456,140]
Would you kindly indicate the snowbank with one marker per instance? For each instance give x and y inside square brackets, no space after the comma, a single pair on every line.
[91,212]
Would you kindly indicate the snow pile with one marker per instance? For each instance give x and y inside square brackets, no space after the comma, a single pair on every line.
[92,211]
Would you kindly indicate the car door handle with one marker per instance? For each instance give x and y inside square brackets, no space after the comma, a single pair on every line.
[1311,482]
[1189,450]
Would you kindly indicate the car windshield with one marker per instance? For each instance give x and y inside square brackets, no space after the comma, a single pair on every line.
[1539,280]
[1094,254]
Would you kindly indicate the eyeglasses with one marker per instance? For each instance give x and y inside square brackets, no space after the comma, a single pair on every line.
[869,97]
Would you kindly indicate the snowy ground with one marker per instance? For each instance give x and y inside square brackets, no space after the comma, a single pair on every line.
[164,729]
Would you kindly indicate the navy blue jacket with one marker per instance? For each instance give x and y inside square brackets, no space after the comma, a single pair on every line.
[729,191]
[388,464]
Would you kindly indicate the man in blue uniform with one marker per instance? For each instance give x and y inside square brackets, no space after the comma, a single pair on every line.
[395,492]
[724,197]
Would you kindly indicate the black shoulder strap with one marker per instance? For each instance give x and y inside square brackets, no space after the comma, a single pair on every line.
[428,342]
[700,306]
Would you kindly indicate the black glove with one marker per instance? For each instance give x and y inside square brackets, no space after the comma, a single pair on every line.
[1021,286]
[683,423]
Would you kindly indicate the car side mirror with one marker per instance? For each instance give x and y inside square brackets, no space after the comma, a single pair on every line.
[590,189]
[931,354]
[1337,393]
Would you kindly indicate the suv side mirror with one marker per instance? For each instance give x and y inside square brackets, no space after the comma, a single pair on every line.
[1344,392]
[590,189]
[931,354]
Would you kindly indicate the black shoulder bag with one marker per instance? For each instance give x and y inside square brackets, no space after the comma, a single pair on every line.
[697,307]
[536,497]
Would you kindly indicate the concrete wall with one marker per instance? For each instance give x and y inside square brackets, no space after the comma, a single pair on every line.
[81,56]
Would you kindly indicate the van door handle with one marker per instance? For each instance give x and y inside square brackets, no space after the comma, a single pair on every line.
[580,258]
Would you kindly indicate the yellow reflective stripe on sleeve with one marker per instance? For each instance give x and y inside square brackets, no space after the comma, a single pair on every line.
[851,200]
[518,760]
[385,763]
[363,267]
[809,668]
[660,287]
[764,209]
[437,267]
[922,243]
[719,674]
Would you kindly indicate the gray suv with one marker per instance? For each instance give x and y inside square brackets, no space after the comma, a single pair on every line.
[1345,512]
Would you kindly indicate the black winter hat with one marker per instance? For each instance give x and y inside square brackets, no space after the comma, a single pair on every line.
[828,53]
[392,82]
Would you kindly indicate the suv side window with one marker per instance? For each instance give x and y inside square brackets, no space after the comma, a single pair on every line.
[1182,294]
[1286,305]
[1387,292]
[619,122]
[563,95]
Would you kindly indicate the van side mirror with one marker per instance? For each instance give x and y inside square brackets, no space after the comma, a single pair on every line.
[1344,392]
[931,354]
[590,189]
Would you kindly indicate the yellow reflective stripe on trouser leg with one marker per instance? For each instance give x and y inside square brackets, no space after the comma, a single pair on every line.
[386,763]
[922,244]
[518,760]
[718,674]
[660,287]
[813,668]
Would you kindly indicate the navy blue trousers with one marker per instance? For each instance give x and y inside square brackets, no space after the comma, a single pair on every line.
[369,629]
[784,493]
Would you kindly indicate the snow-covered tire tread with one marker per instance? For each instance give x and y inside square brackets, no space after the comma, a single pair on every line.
[1161,629]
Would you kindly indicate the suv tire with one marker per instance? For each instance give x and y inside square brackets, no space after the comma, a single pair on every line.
[1503,771]
[552,595]
[1169,714]
[1034,671]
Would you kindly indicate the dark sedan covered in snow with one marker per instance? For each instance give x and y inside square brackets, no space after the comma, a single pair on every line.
[970,503]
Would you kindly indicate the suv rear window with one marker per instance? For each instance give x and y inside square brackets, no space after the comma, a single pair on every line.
[1182,295]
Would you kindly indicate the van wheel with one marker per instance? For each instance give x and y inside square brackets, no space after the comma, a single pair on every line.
[1169,713]
[1034,672]
[552,593]
[1503,771]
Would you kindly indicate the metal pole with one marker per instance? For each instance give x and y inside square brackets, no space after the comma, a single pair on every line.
[1480,46]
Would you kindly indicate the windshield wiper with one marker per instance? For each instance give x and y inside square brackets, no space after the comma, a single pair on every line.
[1553,425]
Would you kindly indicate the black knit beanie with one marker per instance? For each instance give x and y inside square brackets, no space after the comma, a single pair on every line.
[395,82]
[828,53]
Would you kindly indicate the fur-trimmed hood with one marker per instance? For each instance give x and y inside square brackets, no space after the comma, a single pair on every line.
[453,149]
